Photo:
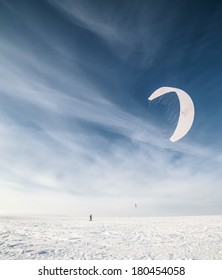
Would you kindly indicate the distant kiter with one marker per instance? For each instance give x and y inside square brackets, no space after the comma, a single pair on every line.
[90,217]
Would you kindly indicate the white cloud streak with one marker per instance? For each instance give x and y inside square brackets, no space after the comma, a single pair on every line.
[52,155]
[129,31]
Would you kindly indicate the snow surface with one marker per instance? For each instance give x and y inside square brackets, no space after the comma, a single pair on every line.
[111,238]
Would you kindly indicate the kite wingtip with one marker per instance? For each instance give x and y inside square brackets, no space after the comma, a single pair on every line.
[173,140]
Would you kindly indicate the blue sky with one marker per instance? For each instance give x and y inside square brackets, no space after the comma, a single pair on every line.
[78,135]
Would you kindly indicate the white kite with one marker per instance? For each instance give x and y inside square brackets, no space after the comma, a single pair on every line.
[186,116]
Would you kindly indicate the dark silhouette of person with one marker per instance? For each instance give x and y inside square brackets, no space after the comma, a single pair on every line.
[90,217]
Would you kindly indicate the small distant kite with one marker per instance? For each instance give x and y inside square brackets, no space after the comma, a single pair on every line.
[186,116]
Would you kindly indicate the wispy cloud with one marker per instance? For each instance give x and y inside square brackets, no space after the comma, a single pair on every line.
[64,138]
[131,32]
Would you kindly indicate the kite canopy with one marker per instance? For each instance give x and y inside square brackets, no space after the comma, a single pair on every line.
[186,116]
